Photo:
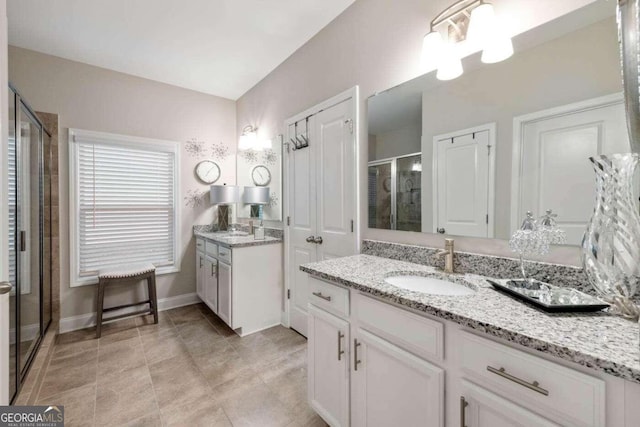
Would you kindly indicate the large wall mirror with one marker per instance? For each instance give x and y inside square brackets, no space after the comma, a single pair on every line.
[470,156]
[262,169]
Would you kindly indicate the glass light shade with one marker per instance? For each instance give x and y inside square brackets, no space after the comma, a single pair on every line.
[432,47]
[498,48]
[248,140]
[482,24]
[224,194]
[263,144]
[450,65]
[256,195]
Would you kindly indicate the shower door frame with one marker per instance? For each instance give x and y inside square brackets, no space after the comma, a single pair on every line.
[19,103]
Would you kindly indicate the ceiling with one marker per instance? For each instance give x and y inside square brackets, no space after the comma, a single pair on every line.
[219,47]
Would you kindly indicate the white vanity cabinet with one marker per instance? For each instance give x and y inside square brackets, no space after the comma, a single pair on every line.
[396,364]
[243,285]
[200,268]
[328,368]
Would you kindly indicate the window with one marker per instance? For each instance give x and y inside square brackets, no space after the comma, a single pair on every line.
[123,203]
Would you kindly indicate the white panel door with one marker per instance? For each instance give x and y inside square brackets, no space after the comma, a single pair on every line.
[461,185]
[225,293]
[211,283]
[302,217]
[328,367]
[556,172]
[391,387]
[322,198]
[335,154]
[481,408]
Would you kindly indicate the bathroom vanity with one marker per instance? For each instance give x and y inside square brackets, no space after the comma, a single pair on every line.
[381,355]
[240,279]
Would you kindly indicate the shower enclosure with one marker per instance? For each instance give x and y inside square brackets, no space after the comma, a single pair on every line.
[394,193]
[29,237]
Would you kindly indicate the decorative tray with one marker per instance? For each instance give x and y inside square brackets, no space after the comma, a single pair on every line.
[550,298]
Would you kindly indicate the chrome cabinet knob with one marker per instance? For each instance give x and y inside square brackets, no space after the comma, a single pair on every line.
[441,230]
[318,240]
[311,239]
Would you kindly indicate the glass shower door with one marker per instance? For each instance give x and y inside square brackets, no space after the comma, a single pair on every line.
[29,215]
[380,195]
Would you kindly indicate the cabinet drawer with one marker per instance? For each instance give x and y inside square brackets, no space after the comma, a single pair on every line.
[211,249]
[561,393]
[224,254]
[200,245]
[416,334]
[329,296]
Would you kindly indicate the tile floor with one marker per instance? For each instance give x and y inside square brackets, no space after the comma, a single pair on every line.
[189,370]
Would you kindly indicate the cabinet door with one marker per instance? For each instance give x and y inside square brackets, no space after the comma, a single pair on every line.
[200,275]
[383,373]
[481,408]
[225,293]
[211,283]
[328,366]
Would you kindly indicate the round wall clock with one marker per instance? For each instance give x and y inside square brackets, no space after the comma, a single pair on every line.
[208,171]
[261,176]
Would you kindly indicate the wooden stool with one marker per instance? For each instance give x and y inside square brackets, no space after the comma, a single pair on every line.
[129,273]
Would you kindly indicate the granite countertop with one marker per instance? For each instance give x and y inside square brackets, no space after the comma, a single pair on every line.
[236,241]
[599,341]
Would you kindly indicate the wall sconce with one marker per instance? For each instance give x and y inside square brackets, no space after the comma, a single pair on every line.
[249,140]
[471,20]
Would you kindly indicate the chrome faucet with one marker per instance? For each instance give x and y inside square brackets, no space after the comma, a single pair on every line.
[448,255]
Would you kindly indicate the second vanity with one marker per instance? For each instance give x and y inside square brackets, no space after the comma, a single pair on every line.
[381,355]
[240,279]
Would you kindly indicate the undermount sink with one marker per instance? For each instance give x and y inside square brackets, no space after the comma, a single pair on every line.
[429,284]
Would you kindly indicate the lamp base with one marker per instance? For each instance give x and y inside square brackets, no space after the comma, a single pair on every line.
[223,217]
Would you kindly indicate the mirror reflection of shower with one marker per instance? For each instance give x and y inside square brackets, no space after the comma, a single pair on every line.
[395,193]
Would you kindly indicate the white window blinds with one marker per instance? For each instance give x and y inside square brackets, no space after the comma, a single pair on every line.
[124,201]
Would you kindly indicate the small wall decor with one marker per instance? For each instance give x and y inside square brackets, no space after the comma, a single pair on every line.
[219,151]
[207,171]
[194,198]
[195,148]
[261,176]
[273,200]
[270,157]
[249,156]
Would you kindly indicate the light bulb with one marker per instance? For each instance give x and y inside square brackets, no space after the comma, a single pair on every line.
[432,47]
[450,65]
[247,141]
[482,24]
[497,48]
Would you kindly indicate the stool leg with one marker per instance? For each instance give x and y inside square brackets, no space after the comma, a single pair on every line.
[100,307]
[151,282]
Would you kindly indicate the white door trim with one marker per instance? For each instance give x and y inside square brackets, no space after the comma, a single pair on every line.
[519,123]
[491,194]
[352,93]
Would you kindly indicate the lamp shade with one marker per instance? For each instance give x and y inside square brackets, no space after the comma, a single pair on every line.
[432,46]
[450,66]
[224,194]
[256,195]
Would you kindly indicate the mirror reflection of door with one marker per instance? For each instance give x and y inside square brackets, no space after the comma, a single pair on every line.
[463,183]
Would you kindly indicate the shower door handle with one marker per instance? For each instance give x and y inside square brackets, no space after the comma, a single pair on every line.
[5,287]
[23,240]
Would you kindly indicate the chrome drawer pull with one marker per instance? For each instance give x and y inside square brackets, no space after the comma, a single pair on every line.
[463,407]
[535,386]
[356,361]
[340,350]
[319,295]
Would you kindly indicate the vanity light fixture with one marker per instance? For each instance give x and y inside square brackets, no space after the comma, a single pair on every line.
[473,21]
[249,140]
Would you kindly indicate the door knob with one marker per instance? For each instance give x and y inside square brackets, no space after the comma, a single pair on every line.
[318,240]
[311,239]
[441,230]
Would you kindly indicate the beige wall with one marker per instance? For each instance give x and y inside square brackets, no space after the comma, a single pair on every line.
[375,44]
[92,98]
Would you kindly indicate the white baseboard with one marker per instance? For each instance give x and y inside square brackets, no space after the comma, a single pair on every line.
[87,320]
